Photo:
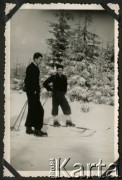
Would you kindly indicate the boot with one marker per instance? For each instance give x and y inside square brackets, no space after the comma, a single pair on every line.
[69,123]
[29,130]
[56,124]
[40,133]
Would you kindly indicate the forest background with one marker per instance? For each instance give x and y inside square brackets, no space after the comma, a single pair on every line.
[87,58]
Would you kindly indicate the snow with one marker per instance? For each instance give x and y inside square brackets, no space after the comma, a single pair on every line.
[91,141]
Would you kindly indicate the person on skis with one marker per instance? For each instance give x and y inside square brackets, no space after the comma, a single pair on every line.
[59,89]
[35,114]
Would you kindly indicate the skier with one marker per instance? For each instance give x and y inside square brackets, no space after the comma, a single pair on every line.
[59,88]
[35,110]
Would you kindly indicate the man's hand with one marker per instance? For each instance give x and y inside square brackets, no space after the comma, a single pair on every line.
[37,94]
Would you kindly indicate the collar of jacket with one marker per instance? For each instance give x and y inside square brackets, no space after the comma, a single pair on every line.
[59,75]
[34,64]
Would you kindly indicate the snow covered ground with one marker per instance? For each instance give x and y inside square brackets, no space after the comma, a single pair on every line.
[91,141]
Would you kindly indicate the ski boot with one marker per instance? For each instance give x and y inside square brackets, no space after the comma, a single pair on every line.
[29,130]
[69,123]
[56,124]
[40,133]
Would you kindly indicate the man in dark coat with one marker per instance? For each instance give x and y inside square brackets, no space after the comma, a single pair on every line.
[59,88]
[35,110]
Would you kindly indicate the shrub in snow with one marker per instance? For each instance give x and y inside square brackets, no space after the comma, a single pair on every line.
[90,96]
[85,108]
[17,84]
[86,74]
[81,81]
[100,83]
[13,86]
[102,100]
[111,92]
[89,99]
[94,87]
[98,94]
[110,101]
[72,63]
[15,81]
[79,93]
[96,101]
[75,77]
[94,82]
[84,96]
[110,76]
[73,80]
[69,71]
[106,93]
[112,83]
[72,98]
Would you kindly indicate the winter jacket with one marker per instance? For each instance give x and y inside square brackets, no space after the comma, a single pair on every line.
[32,79]
[59,83]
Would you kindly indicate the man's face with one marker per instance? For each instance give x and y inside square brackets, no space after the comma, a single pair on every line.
[59,71]
[38,60]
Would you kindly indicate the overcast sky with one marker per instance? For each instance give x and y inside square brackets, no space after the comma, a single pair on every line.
[29,30]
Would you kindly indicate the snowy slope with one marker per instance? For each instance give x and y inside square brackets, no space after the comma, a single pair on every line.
[91,141]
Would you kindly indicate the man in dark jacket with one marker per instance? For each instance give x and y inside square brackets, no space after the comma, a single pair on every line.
[59,88]
[35,110]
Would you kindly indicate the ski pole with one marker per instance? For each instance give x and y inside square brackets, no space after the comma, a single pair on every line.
[24,112]
[45,102]
[13,127]
[21,117]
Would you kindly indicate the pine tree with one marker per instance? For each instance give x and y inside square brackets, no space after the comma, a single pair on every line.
[83,43]
[59,43]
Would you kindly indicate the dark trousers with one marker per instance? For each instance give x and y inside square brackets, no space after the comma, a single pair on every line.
[58,98]
[35,111]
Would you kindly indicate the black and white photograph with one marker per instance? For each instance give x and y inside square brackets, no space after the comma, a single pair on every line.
[63,102]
